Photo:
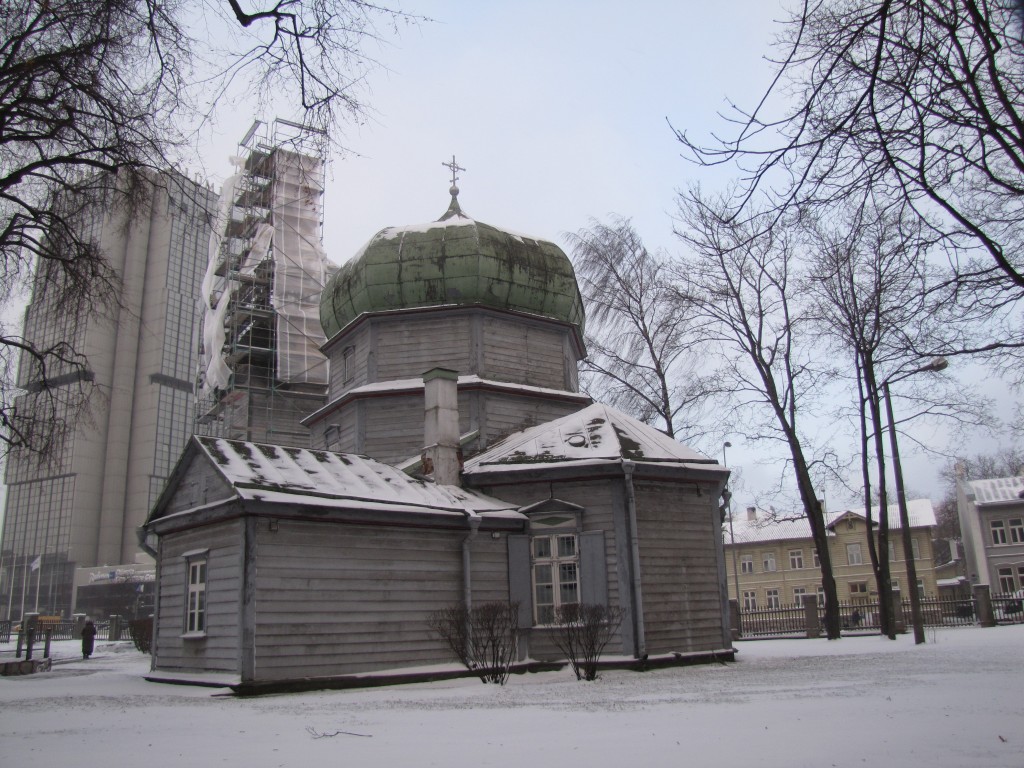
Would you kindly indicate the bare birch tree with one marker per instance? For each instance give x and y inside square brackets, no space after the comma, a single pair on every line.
[643,355]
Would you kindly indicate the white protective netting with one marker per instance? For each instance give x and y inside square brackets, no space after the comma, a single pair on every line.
[214,369]
[300,267]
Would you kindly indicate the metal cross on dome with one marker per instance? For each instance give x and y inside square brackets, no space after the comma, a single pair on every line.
[454,168]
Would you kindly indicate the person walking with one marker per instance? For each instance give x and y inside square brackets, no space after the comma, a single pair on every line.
[88,639]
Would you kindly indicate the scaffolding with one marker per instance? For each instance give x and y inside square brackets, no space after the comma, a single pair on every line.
[261,370]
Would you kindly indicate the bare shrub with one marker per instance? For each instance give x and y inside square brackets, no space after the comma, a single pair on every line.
[141,633]
[583,631]
[482,638]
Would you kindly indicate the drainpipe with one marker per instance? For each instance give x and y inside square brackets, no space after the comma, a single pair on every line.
[467,579]
[638,602]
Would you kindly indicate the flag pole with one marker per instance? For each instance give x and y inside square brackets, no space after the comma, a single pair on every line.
[39,576]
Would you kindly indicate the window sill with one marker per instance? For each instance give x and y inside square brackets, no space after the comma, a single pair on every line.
[193,636]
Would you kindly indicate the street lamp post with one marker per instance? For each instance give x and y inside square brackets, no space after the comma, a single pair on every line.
[727,497]
[936,364]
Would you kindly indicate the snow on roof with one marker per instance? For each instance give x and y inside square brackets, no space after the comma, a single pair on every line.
[322,478]
[766,528]
[596,433]
[997,490]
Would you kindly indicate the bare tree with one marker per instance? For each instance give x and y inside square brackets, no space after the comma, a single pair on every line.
[920,101]
[642,352]
[744,283]
[95,96]
[871,280]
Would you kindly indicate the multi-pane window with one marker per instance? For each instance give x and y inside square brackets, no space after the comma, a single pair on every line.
[853,555]
[796,558]
[768,561]
[556,575]
[750,601]
[915,547]
[858,590]
[772,596]
[798,595]
[815,559]
[998,532]
[1006,583]
[1017,530]
[821,595]
[920,589]
[892,550]
[195,612]
[746,563]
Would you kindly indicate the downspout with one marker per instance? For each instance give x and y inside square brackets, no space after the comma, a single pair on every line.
[467,579]
[638,604]
[467,576]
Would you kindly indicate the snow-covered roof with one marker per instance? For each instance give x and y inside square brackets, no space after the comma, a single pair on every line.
[997,490]
[595,434]
[769,528]
[261,472]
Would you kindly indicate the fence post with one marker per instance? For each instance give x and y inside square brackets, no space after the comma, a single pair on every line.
[115,627]
[48,635]
[29,622]
[811,616]
[898,617]
[735,624]
[983,601]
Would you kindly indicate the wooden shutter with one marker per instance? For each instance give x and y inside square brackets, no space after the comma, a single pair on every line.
[520,579]
[593,568]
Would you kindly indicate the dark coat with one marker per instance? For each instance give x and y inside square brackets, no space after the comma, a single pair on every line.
[88,638]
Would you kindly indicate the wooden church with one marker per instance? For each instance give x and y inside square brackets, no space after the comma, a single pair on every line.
[459,464]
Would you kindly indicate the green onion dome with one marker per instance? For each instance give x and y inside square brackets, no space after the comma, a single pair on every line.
[454,261]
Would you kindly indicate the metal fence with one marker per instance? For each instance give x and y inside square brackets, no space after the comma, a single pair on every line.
[864,617]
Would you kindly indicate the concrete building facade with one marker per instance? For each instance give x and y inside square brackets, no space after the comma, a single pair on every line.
[991,515]
[83,508]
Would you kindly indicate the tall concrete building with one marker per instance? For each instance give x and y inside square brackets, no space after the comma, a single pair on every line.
[83,508]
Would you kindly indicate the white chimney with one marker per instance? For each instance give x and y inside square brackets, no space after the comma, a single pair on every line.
[441,454]
[751,514]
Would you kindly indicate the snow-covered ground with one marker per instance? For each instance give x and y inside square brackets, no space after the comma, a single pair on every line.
[956,701]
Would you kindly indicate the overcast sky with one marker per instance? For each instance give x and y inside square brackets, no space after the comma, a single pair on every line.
[559,112]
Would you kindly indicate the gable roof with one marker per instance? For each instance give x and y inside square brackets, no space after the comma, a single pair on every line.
[594,435]
[273,473]
[997,490]
[919,511]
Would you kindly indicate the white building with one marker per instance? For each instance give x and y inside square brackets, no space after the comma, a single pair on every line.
[992,526]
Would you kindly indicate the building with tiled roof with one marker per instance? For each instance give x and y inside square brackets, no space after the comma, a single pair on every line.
[772,560]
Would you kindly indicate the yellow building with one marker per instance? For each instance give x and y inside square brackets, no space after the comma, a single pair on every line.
[772,561]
